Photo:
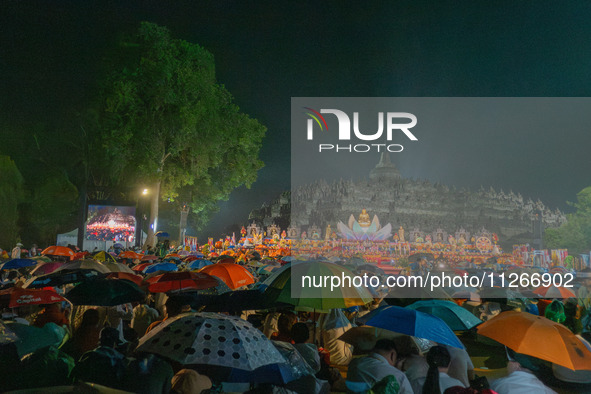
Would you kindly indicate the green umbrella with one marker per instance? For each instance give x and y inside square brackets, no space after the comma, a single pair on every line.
[310,292]
[105,292]
[31,338]
[456,317]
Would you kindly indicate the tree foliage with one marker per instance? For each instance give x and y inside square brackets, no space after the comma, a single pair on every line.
[575,234]
[167,122]
[11,195]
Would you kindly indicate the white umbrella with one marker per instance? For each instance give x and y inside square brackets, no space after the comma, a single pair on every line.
[211,339]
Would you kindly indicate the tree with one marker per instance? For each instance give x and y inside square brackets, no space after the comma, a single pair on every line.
[11,195]
[575,234]
[168,123]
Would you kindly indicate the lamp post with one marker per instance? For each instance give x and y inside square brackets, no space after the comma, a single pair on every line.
[183,224]
[140,217]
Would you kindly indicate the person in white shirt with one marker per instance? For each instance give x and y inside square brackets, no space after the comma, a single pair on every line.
[365,372]
[460,366]
[521,378]
[437,380]
[16,252]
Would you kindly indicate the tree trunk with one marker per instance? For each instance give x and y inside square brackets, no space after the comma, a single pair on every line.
[153,227]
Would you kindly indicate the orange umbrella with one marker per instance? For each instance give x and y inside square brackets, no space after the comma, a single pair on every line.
[16,296]
[538,337]
[58,251]
[233,275]
[554,292]
[129,254]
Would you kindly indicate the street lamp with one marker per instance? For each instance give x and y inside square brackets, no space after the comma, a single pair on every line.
[140,218]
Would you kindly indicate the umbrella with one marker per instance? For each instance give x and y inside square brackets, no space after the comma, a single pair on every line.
[6,334]
[126,276]
[102,257]
[17,263]
[60,278]
[118,245]
[176,281]
[31,338]
[211,339]
[554,292]
[456,317]
[105,292]
[16,296]
[117,267]
[58,251]
[160,267]
[242,300]
[141,267]
[468,295]
[196,265]
[414,323]
[87,264]
[161,234]
[538,337]
[267,269]
[149,258]
[417,292]
[128,254]
[321,298]
[233,275]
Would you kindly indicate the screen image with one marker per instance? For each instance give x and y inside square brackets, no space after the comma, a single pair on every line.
[110,223]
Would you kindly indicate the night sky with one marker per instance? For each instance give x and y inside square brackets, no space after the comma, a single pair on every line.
[268,52]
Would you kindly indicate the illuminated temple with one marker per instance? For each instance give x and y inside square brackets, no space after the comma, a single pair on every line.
[422,208]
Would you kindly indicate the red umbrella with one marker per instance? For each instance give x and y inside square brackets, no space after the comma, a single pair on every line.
[46,268]
[234,275]
[126,276]
[176,281]
[16,296]
[188,259]
[58,251]
[149,258]
[226,260]
[141,267]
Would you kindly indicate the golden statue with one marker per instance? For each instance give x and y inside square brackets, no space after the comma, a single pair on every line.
[364,219]
[401,234]
[328,233]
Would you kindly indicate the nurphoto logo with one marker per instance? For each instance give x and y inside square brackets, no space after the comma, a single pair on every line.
[344,130]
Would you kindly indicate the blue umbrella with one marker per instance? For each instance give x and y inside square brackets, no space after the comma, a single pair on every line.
[161,267]
[161,234]
[416,324]
[18,263]
[198,264]
[456,317]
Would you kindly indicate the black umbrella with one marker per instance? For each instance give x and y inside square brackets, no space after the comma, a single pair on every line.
[62,277]
[105,292]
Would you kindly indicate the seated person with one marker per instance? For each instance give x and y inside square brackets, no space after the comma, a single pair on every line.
[437,379]
[103,365]
[300,335]
[365,372]
[521,378]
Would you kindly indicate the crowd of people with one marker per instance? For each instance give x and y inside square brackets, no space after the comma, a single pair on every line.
[99,344]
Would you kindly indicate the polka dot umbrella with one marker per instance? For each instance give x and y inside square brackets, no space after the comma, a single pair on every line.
[211,339]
